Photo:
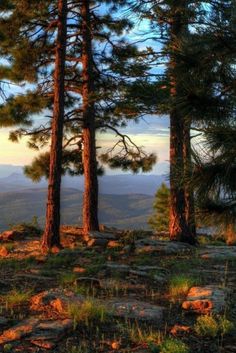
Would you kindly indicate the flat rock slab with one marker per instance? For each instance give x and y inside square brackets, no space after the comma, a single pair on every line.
[100,235]
[162,247]
[218,252]
[3,321]
[19,331]
[43,333]
[134,309]
[56,299]
[47,333]
[205,300]
[156,273]
[116,267]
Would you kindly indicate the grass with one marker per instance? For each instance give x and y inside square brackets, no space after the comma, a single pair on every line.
[173,345]
[9,246]
[67,279]
[180,284]
[32,228]
[78,349]
[89,312]
[142,335]
[17,265]
[209,326]
[182,265]
[7,347]
[60,260]
[16,297]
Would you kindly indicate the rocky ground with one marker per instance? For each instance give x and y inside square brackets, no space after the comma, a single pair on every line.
[116,292]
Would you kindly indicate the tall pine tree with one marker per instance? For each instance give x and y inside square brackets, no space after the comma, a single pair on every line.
[51,236]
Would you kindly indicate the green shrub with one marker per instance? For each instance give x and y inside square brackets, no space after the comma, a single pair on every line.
[209,326]
[172,345]
[30,228]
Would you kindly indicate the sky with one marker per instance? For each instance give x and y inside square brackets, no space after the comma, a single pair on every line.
[152,133]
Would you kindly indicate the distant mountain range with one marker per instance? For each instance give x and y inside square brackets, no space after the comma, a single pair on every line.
[108,184]
[125,200]
[122,211]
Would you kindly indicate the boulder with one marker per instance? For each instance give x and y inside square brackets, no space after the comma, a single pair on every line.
[134,309]
[56,299]
[10,235]
[205,300]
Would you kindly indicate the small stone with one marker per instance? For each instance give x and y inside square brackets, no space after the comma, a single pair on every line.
[55,249]
[97,242]
[113,244]
[79,269]
[179,329]
[115,345]
[3,251]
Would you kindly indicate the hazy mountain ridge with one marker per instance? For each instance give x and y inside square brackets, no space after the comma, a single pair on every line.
[108,184]
[125,200]
[123,211]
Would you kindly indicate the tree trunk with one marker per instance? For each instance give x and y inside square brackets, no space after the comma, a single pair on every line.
[90,204]
[179,229]
[51,236]
[189,195]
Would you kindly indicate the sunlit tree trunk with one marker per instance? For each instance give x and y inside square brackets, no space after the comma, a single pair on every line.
[179,229]
[51,236]
[90,204]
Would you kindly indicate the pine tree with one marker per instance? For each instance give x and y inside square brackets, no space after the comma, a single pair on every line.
[214,173]
[51,236]
[159,221]
[170,21]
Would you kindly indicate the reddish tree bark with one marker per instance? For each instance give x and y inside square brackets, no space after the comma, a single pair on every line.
[179,229]
[51,236]
[90,204]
